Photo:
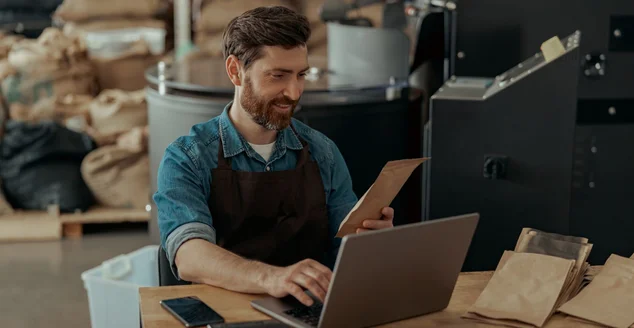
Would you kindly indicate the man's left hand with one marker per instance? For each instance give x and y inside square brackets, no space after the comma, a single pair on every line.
[385,222]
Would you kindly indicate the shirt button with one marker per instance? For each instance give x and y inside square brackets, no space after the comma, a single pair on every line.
[268,168]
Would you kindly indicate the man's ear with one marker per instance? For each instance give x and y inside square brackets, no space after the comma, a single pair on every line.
[233,70]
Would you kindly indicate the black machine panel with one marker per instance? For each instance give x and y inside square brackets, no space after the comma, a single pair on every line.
[602,202]
[503,147]
[493,35]
[368,135]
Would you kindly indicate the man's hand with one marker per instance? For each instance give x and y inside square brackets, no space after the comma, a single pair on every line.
[385,222]
[293,280]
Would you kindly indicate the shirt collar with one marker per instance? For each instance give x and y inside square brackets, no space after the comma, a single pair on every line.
[233,143]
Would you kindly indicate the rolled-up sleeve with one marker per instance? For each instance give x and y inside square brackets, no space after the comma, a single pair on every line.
[181,202]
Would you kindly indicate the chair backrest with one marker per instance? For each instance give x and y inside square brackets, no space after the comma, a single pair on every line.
[166,277]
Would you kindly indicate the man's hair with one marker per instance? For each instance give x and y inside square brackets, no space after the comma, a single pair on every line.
[246,34]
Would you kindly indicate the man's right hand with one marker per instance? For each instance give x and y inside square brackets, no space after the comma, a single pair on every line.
[293,280]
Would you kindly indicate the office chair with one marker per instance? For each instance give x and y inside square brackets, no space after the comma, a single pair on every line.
[166,277]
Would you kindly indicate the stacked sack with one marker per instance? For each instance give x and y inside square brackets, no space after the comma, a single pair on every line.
[80,16]
[118,171]
[216,14]
[42,151]
[49,66]
[116,33]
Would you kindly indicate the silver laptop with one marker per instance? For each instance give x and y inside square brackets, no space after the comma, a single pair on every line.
[385,276]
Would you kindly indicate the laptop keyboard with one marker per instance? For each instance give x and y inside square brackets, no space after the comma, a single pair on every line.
[308,314]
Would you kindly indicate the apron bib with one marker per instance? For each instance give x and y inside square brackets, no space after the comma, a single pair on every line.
[279,217]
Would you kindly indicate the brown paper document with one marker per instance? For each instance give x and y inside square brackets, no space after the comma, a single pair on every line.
[389,182]
[525,287]
[609,298]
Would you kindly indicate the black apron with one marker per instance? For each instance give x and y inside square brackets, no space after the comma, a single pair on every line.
[277,217]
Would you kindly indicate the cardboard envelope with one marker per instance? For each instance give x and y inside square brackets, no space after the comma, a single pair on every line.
[380,194]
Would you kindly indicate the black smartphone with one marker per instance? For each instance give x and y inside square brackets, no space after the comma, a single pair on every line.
[191,311]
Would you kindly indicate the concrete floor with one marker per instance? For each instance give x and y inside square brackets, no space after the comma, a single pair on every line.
[40,283]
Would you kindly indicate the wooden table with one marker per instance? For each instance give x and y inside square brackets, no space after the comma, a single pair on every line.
[236,307]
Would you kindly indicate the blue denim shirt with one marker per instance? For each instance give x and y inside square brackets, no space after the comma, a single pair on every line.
[184,178]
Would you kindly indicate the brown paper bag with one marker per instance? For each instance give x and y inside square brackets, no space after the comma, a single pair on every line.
[543,244]
[609,299]
[632,257]
[116,111]
[118,177]
[496,322]
[531,231]
[389,182]
[524,288]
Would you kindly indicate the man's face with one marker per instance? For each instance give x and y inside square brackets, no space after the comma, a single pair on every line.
[273,85]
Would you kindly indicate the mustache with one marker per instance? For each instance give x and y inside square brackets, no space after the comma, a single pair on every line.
[284,100]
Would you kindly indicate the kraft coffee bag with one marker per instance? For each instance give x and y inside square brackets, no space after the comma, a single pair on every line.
[524,289]
[609,298]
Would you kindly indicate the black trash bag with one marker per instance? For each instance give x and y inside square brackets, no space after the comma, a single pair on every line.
[40,166]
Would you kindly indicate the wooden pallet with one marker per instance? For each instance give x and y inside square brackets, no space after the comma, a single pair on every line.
[52,225]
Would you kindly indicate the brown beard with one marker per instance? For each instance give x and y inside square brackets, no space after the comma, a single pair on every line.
[262,111]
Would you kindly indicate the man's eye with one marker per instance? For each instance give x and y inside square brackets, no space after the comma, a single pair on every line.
[278,76]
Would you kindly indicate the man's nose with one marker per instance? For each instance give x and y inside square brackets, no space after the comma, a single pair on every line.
[293,90]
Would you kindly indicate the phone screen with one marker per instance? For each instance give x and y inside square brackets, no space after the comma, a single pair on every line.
[191,311]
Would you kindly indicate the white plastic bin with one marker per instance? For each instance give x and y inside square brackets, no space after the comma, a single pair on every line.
[113,287]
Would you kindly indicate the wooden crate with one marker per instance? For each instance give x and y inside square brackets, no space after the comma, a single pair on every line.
[51,225]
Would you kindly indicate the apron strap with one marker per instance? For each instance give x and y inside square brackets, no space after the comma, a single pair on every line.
[304,155]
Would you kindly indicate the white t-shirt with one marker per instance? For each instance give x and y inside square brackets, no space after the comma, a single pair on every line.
[264,150]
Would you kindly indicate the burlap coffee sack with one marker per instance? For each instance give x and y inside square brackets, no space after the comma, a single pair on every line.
[216,14]
[118,111]
[5,207]
[83,10]
[62,109]
[77,28]
[6,69]
[52,51]
[117,177]
[29,88]
[135,140]
[127,71]
[7,42]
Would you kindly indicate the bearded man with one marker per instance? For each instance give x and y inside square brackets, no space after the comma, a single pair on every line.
[251,200]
